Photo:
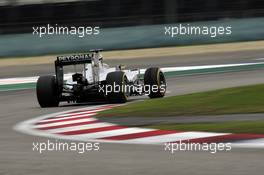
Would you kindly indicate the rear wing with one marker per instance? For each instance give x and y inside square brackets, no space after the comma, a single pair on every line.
[66,61]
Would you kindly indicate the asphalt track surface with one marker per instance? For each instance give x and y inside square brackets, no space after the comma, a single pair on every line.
[17,157]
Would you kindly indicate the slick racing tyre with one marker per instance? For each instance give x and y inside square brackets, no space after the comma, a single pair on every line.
[155,83]
[117,81]
[47,91]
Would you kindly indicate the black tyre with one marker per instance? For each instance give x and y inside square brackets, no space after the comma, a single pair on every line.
[155,82]
[115,79]
[47,91]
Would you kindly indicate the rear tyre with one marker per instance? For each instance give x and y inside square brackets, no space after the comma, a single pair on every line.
[115,80]
[47,91]
[155,82]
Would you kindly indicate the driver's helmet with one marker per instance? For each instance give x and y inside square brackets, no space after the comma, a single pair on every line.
[98,58]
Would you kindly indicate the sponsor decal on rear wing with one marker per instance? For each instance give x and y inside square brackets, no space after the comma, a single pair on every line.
[73,59]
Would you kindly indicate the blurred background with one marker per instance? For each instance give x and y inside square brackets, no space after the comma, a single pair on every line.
[122,23]
[18,16]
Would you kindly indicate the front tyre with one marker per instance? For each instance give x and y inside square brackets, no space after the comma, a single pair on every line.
[155,83]
[47,91]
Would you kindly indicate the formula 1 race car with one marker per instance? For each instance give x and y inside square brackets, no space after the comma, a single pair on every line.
[96,80]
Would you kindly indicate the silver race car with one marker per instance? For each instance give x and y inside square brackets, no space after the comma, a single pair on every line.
[94,80]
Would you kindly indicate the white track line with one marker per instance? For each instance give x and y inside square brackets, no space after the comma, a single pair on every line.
[174,137]
[21,80]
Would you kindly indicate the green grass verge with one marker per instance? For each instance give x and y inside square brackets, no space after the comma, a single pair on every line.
[11,87]
[256,127]
[247,99]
